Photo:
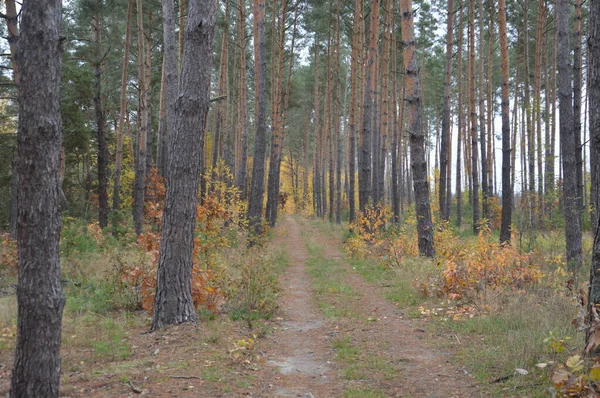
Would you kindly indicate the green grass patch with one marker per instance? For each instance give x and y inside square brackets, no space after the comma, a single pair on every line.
[345,351]
[364,393]
[326,274]
[113,341]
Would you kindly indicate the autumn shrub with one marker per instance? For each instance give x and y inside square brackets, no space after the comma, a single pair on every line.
[220,226]
[479,265]
[368,231]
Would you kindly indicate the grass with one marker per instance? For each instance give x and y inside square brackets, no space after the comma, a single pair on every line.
[493,343]
[364,393]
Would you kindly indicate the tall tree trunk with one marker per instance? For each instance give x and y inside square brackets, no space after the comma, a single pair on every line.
[255,204]
[507,193]
[243,125]
[594,123]
[102,157]
[459,83]
[567,140]
[36,371]
[316,141]
[150,159]
[594,115]
[173,302]
[220,112]
[284,100]
[338,116]
[171,79]
[577,83]
[537,106]
[395,129]
[473,118]
[515,127]
[122,113]
[444,209]
[354,73]
[384,130]
[417,138]
[276,131]
[365,158]
[482,132]
[491,148]
[306,158]
[13,35]
[140,159]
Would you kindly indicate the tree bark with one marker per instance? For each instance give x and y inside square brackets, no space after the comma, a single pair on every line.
[171,79]
[365,153]
[173,302]
[459,83]
[506,145]
[140,159]
[277,127]
[122,112]
[102,156]
[577,83]
[354,69]
[417,138]
[594,115]
[36,371]
[257,190]
[482,131]
[567,140]
[396,172]
[473,118]
[444,209]
[243,125]
[594,121]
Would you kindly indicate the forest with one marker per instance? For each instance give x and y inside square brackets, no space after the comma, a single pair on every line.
[313,198]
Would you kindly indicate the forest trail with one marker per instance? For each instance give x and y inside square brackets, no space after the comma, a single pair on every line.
[388,354]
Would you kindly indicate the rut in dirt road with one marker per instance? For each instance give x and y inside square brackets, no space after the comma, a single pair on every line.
[394,357]
[424,370]
[301,350]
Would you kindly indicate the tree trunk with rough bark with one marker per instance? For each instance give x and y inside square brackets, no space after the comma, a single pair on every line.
[36,371]
[140,159]
[567,139]
[102,156]
[171,79]
[417,138]
[257,190]
[473,118]
[577,84]
[352,123]
[173,302]
[444,209]
[594,115]
[459,83]
[364,156]
[122,113]
[507,193]
[243,123]
[485,207]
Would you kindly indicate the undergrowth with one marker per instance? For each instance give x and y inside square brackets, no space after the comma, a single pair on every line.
[504,308]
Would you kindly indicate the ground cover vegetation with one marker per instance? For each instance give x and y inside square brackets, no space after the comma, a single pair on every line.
[150,148]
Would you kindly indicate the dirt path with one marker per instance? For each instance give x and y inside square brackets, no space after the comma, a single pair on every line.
[302,348]
[300,351]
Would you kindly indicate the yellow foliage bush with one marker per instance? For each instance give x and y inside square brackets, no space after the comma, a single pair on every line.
[469,266]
